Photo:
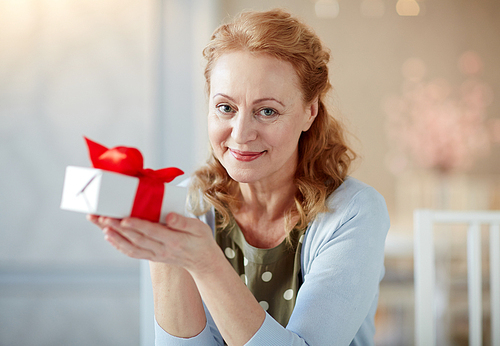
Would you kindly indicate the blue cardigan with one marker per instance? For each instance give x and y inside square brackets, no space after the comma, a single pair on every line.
[342,264]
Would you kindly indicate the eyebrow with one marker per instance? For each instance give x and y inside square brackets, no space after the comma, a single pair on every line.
[256,101]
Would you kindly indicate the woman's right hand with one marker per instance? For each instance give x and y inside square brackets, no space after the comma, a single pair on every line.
[182,241]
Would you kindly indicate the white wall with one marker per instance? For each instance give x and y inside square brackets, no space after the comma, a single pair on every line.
[122,73]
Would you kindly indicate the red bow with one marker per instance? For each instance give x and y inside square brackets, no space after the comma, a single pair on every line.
[129,161]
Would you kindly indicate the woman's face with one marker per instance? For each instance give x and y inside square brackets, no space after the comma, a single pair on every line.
[256,116]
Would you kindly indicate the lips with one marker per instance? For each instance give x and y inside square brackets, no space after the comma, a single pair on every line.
[246,156]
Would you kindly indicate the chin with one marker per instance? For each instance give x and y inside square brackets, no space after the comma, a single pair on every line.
[242,176]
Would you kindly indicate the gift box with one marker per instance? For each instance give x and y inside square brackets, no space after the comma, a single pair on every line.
[118,186]
[100,192]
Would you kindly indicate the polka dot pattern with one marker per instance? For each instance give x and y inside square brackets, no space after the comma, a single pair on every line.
[288,295]
[267,276]
[244,278]
[229,253]
[272,275]
[264,304]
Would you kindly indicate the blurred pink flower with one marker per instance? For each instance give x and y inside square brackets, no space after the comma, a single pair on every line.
[436,125]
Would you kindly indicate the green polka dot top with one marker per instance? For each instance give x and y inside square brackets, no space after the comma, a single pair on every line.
[272,275]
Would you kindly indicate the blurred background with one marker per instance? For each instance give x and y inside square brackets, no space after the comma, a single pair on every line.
[417,82]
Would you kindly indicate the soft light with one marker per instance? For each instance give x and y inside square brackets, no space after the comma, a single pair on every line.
[408,8]
[414,70]
[372,8]
[327,8]
[470,63]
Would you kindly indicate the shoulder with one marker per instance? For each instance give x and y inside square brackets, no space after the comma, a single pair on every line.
[356,211]
[353,198]
[351,191]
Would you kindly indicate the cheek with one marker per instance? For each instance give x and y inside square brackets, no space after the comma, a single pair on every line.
[285,139]
[216,132]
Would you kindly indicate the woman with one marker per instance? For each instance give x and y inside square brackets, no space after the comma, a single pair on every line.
[285,248]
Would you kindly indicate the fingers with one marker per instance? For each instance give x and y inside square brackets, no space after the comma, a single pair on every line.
[130,241]
[152,230]
[178,222]
[189,225]
[142,233]
[135,235]
[158,232]
[125,246]
[100,221]
[92,218]
[141,238]
[178,242]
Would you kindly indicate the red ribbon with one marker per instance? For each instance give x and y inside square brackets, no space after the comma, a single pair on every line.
[129,161]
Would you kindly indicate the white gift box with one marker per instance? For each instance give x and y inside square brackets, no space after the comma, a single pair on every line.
[100,192]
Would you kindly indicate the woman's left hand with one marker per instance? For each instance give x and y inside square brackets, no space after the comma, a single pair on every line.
[182,241]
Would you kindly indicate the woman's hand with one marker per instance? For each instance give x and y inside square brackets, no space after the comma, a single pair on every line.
[182,241]
[188,243]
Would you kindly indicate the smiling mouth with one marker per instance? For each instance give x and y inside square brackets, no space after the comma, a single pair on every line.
[246,156]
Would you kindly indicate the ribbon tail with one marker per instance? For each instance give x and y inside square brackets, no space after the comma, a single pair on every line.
[95,150]
[168,174]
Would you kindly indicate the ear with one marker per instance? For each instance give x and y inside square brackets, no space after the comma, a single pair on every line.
[311,111]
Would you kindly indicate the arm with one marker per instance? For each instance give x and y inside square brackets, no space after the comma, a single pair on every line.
[179,312]
[188,251]
[178,307]
[342,265]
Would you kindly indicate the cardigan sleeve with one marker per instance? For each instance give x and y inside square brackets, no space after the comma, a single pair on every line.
[209,336]
[343,263]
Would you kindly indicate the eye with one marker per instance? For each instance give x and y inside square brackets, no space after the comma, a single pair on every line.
[268,112]
[225,108]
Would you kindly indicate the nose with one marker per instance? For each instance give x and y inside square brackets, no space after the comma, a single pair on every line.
[244,128]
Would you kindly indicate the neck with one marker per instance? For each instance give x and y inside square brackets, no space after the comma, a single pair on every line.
[261,215]
[268,202]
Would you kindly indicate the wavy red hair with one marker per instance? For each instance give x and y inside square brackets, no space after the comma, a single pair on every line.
[324,156]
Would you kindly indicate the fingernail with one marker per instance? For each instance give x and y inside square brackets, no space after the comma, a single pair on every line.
[107,237]
[172,218]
